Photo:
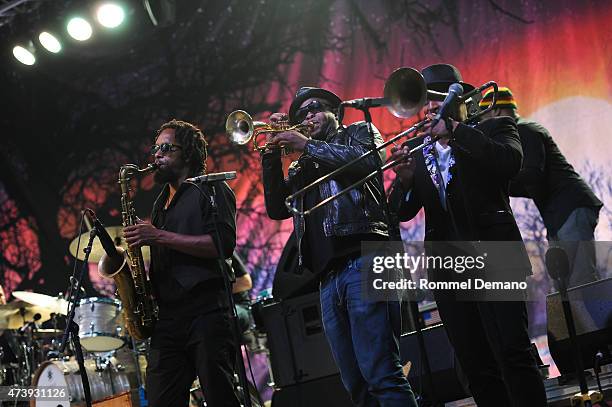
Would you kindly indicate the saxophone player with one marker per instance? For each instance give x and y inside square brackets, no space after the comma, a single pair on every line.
[192,336]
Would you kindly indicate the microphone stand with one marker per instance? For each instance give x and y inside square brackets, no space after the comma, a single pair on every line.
[72,328]
[412,302]
[228,288]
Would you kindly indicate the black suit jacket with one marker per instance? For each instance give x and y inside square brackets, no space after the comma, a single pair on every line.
[548,179]
[486,158]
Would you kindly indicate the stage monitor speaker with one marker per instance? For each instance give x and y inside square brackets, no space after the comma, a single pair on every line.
[289,280]
[324,392]
[592,310]
[299,351]
[449,382]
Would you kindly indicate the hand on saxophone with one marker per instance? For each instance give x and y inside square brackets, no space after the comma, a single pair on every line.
[141,234]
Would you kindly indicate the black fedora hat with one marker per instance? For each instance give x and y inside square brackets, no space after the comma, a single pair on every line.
[308,92]
[439,77]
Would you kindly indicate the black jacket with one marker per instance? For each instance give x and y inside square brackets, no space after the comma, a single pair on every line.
[486,158]
[548,179]
[174,273]
[358,212]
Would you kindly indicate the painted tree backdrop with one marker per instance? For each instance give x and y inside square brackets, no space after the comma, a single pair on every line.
[70,121]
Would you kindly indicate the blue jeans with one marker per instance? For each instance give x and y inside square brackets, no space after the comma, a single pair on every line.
[363,337]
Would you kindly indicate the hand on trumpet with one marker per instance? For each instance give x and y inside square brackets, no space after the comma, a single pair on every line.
[406,167]
[292,139]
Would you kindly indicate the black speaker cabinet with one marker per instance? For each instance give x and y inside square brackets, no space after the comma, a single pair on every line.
[301,359]
[592,310]
[323,392]
[299,351]
[449,382]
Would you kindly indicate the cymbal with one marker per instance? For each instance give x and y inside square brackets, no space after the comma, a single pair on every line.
[16,321]
[10,309]
[11,314]
[50,304]
[115,232]
[12,306]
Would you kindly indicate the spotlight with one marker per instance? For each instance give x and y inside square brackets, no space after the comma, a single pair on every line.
[50,42]
[79,29]
[110,15]
[25,54]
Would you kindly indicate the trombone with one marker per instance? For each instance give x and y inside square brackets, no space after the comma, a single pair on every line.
[405,94]
[241,128]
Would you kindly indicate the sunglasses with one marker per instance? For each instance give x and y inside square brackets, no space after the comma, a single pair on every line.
[164,148]
[315,107]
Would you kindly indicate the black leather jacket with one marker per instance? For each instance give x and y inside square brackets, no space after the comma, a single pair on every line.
[358,212]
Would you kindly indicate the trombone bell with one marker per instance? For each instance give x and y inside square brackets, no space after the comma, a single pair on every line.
[406,91]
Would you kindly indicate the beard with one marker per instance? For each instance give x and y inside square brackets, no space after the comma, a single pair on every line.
[322,130]
[164,175]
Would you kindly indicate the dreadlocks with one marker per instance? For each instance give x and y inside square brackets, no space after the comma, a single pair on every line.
[193,144]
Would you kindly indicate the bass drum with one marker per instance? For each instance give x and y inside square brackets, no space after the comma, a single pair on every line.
[65,373]
[132,363]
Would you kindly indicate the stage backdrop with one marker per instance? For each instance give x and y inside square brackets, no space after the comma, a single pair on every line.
[555,55]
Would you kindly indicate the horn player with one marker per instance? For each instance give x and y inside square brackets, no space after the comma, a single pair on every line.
[362,334]
[192,336]
[462,181]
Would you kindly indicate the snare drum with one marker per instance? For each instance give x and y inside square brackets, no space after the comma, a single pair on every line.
[65,374]
[100,324]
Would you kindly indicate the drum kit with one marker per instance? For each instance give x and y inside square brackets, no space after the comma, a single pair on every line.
[29,350]
[31,329]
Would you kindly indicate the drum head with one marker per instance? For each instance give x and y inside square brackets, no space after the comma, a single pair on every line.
[101,343]
[50,374]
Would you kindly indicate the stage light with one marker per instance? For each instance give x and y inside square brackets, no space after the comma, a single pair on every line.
[110,15]
[79,29]
[50,42]
[25,54]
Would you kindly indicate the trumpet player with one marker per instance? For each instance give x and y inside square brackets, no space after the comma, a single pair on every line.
[192,335]
[462,183]
[363,335]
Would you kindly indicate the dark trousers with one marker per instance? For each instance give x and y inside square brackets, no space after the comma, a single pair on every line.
[493,348]
[363,337]
[183,347]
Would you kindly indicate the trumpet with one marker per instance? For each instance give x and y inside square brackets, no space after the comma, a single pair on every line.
[241,128]
[405,93]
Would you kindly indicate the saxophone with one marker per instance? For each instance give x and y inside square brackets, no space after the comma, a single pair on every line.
[139,309]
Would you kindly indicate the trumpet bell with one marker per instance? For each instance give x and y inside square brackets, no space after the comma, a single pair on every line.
[406,91]
[239,127]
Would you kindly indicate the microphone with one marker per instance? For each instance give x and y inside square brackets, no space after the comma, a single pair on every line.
[212,177]
[105,239]
[454,93]
[31,324]
[557,263]
[364,103]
